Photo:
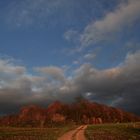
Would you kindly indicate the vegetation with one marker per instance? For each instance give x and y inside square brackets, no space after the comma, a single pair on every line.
[37,123]
[14,133]
[124,131]
[80,112]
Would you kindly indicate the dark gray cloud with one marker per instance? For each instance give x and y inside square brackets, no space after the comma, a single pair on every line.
[118,86]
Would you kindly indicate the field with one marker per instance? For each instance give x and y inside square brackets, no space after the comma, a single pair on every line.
[10,133]
[126,131]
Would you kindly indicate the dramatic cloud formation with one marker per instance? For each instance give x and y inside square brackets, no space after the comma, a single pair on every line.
[118,86]
[104,29]
[107,72]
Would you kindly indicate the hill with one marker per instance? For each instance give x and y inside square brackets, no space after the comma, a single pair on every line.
[81,112]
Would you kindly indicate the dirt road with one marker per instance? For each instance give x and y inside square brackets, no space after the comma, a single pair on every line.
[77,134]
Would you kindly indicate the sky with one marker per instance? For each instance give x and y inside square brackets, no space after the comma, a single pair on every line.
[61,49]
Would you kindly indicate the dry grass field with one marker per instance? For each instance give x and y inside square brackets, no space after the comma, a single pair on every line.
[10,133]
[125,131]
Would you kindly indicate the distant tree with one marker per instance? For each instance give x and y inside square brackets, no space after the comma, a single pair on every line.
[80,98]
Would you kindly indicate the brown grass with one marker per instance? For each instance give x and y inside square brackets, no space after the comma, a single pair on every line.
[10,133]
[125,131]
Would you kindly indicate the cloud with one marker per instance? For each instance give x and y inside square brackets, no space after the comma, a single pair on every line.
[117,86]
[76,62]
[71,35]
[10,72]
[90,56]
[52,72]
[110,85]
[105,28]
[7,67]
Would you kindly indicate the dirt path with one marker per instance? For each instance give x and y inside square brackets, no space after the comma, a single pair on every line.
[77,134]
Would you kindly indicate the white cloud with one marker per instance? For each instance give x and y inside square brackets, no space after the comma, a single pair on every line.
[52,72]
[105,28]
[71,35]
[90,56]
[76,62]
[8,67]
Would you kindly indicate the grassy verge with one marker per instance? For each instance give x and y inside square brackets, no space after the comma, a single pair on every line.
[10,133]
[125,131]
